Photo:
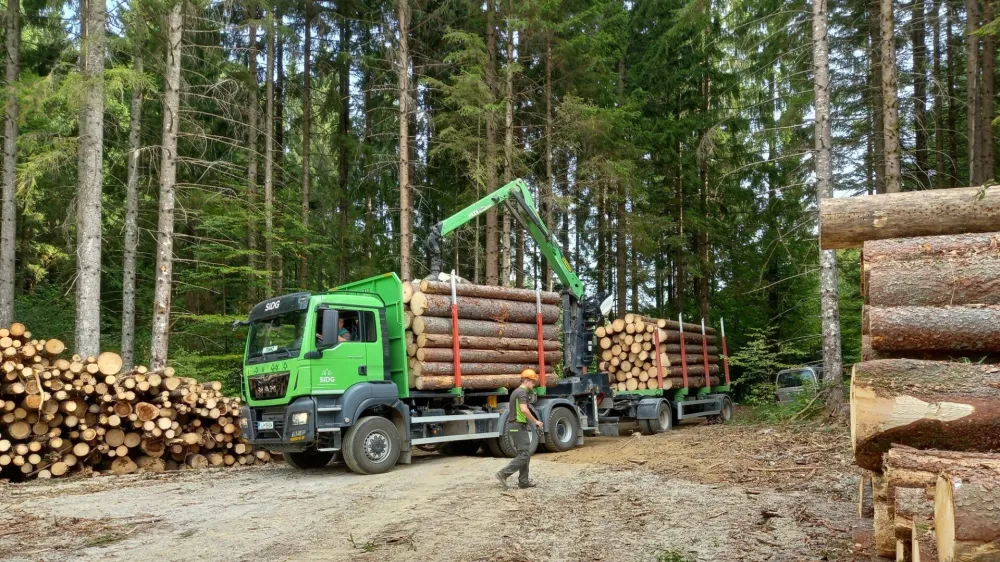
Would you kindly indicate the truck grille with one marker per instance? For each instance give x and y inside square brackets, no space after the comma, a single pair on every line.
[268,386]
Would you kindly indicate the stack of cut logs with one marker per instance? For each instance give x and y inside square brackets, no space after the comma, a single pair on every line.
[925,401]
[497,335]
[628,353]
[83,414]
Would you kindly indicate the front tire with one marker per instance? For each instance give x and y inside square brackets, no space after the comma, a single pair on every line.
[727,412]
[308,459]
[563,430]
[371,446]
[662,423]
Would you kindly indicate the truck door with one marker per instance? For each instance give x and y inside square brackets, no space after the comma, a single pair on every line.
[376,348]
[345,362]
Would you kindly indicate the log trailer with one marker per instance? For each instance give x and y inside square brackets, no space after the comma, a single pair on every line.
[311,395]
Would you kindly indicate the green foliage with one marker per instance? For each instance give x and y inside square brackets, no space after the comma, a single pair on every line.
[760,358]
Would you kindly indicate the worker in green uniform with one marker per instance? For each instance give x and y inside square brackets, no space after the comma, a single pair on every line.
[519,417]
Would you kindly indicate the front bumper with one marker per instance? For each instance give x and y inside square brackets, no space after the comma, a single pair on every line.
[322,432]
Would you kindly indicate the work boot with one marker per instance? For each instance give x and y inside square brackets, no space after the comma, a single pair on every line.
[528,484]
[502,479]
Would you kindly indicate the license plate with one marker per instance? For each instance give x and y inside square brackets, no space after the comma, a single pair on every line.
[265,425]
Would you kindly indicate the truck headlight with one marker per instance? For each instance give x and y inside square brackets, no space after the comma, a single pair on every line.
[300,418]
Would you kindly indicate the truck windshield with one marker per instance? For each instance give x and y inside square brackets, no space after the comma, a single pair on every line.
[276,338]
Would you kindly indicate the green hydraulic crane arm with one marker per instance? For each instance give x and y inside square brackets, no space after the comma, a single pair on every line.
[517,197]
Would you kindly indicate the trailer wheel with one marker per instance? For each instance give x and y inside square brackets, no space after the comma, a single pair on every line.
[726,414]
[308,459]
[371,446]
[663,421]
[506,446]
[467,448]
[563,430]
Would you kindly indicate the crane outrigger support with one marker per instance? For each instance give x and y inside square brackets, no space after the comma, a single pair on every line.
[580,313]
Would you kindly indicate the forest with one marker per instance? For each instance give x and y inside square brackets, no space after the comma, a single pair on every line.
[169,163]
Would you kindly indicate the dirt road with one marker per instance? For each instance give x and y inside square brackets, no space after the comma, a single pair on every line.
[704,493]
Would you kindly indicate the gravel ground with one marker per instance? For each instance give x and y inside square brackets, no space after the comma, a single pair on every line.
[703,493]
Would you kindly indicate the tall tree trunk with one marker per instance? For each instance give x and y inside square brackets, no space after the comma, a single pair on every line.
[168,177]
[621,223]
[278,124]
[492,252]
[8,206]
[89,182]
[306,117]
[952,54]
[703,259]
[824,189]
[987,89]
[890,101]
[508,144]
[403,72]
[132,206]
[972,91]
[634,275]
[269,157]
[919,92]
[939,93]
[875,85]
[680,276]
[345,131]
[253,125]
[602,248]
[549,186]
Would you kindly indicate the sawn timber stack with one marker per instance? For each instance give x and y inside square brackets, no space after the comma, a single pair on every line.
[498,335]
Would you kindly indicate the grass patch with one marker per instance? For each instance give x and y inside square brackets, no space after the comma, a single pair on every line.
[102,540]
[671,555]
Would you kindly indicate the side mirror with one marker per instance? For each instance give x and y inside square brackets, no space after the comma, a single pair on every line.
[330,331]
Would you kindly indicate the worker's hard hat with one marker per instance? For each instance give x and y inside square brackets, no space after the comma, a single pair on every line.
[529,374]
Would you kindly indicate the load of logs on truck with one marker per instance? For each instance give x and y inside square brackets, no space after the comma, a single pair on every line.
[65,415]
[925,400]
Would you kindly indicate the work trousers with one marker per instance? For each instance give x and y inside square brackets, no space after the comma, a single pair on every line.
[521,438]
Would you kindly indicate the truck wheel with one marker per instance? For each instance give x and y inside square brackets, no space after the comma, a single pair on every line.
[644,427]
[563,430]
[371,446]
[506,446]
[662,422]
[467,448]
[726,414]
[493,445]
[308,459]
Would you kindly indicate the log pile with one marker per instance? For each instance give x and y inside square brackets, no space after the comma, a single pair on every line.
[498,335]
[925,401]
[70,415]
[628,353]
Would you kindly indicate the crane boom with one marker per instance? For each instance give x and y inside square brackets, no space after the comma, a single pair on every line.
[517,197]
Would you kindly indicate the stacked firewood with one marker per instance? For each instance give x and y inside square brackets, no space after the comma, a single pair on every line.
[498,335]
[628,353]
[64,415]
[925,403]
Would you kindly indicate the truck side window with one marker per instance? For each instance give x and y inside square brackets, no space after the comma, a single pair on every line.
[369,328]
[348,329]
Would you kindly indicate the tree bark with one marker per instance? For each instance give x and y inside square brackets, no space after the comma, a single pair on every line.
[344,141]
[475,308]
[477,382]
[487,356]
[958,329]
[253,125]
[168,177]
[483,328]
[548,189]
[492,251]
[939,95]
[508,145]
[988,87]
[486,291]
[934,282]
[89,183]
[403,71]
[952,54]
[306,117]
[269,157]
[906,467]
[850,221]
[980,245]
[8,206]
[919,93]
[132,204]
[423,369]
[621,250]
[428,341]
[965,519]
[923,404]
[875,72]
[910,506]
[890,101]
[972,91]
[829,296]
